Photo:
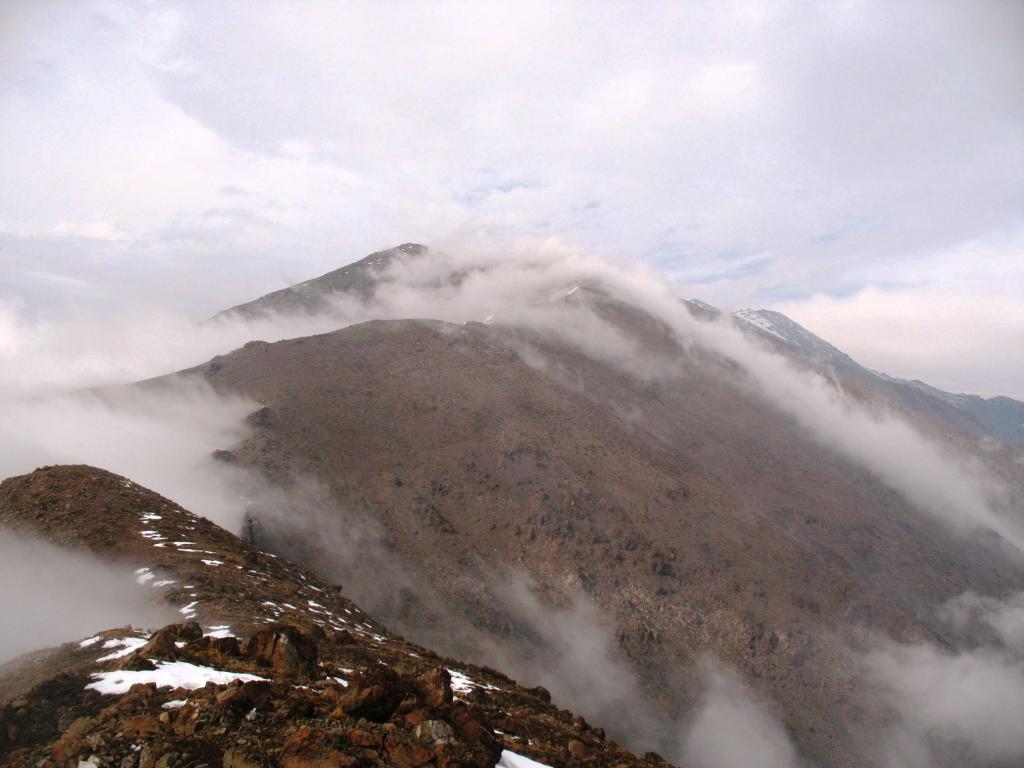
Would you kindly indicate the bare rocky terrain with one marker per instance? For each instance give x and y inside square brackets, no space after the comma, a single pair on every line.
[269,665]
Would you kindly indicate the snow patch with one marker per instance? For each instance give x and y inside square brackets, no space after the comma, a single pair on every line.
[127,645]
[168,674]
[752,317]
[510,759]
[462,683]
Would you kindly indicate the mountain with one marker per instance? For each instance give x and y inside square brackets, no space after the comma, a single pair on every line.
[690,514]
[268,666]
[569,473]
[1001,417]
[314,296]
[971,415]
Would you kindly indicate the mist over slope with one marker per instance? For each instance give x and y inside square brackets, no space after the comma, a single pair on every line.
[863,499]
[266,665]
[568,467]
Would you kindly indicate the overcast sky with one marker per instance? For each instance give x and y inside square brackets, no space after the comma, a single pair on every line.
[859,166]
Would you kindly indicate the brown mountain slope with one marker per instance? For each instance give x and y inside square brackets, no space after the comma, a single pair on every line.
[335,687]
[364,279]
[314,296]
[690,513]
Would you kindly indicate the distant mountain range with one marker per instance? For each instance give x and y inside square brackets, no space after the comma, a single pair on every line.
[999,417]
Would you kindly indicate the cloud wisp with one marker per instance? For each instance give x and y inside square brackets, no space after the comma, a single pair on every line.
[52,595]
[952,705]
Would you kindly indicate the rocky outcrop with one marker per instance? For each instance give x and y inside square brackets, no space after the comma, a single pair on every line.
[278,670]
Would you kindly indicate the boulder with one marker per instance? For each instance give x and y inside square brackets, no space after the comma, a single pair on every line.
[374,694]
[435,687]
[287,650]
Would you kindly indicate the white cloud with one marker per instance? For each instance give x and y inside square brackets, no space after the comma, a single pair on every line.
[956,705]
[824,135]
[52,595]
[953,318]
[730,727]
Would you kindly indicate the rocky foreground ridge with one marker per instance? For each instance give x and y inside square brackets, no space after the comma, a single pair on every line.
[268,666]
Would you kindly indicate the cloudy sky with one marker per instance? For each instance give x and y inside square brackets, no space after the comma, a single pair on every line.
[859,166]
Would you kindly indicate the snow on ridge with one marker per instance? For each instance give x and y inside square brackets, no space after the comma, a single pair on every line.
[463,683]
[510,759]
[219,630]
[128,645]
[168,674]
[703,305]
[759,321]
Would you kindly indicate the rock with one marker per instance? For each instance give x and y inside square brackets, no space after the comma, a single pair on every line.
[402,752]
[578,750]
[435,687]
[225,646]
[239,758]
[541,693]
[343,637]
[141,724]
[255,694]
[470,731]
[162,644]
[363,738]
[167,761]
[190,631]
[287,650]
[374,694]
[434,732]
[311,748]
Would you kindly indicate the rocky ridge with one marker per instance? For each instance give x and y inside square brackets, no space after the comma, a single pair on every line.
[268,667]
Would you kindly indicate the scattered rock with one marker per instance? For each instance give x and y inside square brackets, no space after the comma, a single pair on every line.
[287,650]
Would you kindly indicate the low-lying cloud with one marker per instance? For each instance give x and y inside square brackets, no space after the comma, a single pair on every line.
[951,706]
[52,595]
[731,728]
[161,437]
